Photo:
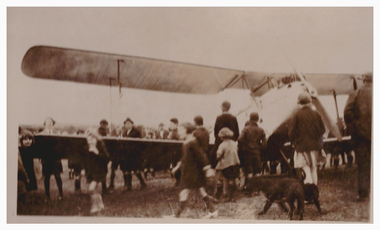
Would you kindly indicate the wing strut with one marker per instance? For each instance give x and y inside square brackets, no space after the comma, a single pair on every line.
[233,81]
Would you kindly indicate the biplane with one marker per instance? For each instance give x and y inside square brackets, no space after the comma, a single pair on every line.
[273,95]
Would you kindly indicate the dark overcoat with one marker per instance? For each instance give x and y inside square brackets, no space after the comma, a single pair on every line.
[192,162]
[306,130]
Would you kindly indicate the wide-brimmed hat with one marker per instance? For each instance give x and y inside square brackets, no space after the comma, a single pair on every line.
[128,119]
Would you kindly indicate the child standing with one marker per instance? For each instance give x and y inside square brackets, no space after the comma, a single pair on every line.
[96,173]
[195,168]
[228,162]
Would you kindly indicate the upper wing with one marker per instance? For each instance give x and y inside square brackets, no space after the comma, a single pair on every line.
[152,74]
[135,72]
[323,83]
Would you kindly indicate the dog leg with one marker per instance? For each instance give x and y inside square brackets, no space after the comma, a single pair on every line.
[266,207]
[316,202]
[301,215]
[282,205]
[290,213]
[300,207]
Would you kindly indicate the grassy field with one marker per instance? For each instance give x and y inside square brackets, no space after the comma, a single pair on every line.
[160,199]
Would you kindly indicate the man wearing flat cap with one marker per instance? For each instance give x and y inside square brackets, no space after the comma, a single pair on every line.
[133,157]
[103,128]
[306,131]
[228,120]
[358,118]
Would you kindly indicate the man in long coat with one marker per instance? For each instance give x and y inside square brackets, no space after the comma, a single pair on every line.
[358,118]
[228,120]
[133,159]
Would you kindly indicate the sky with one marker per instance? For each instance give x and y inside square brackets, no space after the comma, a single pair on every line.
[313,40]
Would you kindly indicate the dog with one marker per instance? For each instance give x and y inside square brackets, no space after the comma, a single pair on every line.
[311,190]
[312,195]
[281,190]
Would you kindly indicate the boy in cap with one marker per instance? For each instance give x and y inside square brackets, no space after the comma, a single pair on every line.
[252,141]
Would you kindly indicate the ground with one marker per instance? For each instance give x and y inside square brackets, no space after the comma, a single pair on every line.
[337,197]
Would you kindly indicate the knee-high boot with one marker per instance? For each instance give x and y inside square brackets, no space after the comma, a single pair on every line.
[112,185]
[104,187]
[77,185]
[141,178]
[219,191]
[128,182]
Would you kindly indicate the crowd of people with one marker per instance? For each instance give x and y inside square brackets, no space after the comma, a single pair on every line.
[195,164]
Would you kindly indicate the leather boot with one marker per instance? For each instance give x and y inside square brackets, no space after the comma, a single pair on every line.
[104,188]
[141,178]
[128,182]
[112,185]
[77,185]
[219,191]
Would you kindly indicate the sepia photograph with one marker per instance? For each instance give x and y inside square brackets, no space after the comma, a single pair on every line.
[190,114]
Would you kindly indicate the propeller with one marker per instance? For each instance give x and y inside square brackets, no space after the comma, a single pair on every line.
[321,109]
